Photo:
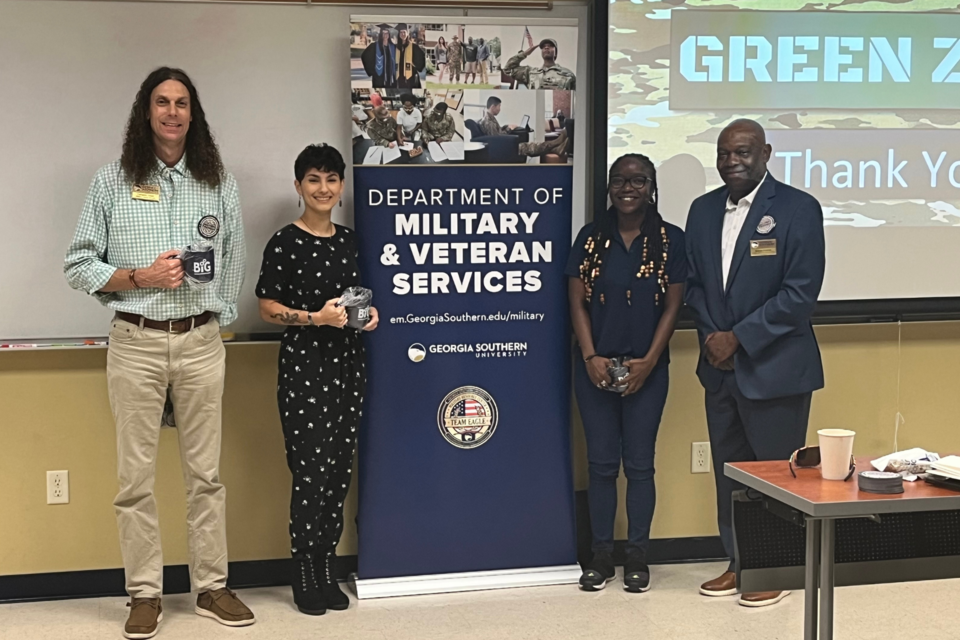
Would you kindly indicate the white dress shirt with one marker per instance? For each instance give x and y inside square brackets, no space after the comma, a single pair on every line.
[733,221]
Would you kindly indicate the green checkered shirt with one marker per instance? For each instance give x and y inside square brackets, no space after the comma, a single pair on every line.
[117,232]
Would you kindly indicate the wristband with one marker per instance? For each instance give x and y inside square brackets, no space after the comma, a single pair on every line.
[132,280]
[590,357]
[310,318]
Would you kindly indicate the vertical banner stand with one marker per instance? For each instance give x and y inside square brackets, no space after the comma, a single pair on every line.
[464,451]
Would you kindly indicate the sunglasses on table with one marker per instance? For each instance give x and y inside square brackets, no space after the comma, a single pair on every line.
[809,457]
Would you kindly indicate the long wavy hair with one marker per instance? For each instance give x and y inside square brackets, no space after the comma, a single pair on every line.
[139,158]
[653,235]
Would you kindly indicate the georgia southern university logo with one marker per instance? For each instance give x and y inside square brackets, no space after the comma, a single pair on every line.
[416,352]
[467,417]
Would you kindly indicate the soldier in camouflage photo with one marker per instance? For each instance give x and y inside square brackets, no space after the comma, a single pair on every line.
[491,127]
[454,59]
[383,128]
[549,76]
[438,125]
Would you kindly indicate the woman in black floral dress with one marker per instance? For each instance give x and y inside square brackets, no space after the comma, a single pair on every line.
[306,267]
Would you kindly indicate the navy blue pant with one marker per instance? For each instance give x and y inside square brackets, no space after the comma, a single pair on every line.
[745,430]
[621,429]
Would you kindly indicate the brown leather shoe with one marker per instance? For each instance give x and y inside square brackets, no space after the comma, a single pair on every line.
[763,598]
[725,585]
[225,607]
[145,617]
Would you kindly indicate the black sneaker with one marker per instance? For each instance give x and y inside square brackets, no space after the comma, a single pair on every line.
[598,573]
[636,573]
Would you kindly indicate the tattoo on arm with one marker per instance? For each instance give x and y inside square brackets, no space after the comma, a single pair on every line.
[287,317]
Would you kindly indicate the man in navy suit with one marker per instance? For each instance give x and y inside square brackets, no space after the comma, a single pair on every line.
[755,250]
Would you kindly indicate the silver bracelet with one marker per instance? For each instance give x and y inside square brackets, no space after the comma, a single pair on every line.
[310,319]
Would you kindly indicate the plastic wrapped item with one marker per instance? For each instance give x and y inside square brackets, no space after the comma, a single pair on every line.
[618,371]
[910,463]
[357,302]
[908,467]
[199,264]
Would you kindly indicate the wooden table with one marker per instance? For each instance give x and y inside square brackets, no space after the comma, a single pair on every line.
[823,502]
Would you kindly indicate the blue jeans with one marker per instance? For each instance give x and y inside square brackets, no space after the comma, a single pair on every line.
[621,429]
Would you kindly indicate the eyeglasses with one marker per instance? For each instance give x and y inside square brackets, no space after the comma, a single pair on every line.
[809,457]
[637,182]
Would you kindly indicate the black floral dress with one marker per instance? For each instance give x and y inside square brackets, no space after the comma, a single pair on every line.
[321,380]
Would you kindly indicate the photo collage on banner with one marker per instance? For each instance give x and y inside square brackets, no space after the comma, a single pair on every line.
[436,93]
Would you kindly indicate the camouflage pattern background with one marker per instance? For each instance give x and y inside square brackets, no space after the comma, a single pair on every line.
[683,144]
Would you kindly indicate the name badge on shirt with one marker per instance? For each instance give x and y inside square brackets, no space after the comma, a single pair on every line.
[763,248]
[147,192]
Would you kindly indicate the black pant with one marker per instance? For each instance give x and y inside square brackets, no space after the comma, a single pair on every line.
[745,430]
[320,394]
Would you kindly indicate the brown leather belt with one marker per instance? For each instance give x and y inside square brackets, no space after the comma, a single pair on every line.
[171,326]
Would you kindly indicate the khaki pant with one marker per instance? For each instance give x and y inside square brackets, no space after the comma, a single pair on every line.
[483,72]
[141,364]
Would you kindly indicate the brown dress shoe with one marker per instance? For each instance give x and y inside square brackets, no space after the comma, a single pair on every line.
[225,607]
[725,585]
[763,598]
[145,617]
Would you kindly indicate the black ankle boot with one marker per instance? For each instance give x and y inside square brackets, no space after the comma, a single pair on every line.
[307,594]
[334,597]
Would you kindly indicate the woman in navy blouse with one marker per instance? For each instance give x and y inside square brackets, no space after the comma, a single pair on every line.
[627,270]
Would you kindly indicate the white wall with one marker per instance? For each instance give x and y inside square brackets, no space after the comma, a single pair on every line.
[272,77]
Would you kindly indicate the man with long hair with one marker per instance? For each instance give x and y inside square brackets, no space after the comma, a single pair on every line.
[168,191]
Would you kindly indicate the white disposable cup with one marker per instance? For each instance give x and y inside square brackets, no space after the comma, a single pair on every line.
[836,447]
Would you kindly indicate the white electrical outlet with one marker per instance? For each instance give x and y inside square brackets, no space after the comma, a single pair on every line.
[58,487]
[700,460]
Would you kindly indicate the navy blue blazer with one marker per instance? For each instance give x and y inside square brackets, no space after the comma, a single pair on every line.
[768,299]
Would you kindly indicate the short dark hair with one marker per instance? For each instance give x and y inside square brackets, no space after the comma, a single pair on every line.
[139,158]
[408,97]
[321,157]
[442,107]
[493,101]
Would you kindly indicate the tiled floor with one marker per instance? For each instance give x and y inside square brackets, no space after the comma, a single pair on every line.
[672,610]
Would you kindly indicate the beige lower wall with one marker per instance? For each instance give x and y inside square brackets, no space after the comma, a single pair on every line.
[54,415]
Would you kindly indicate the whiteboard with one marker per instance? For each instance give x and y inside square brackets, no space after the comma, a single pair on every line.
[271,78]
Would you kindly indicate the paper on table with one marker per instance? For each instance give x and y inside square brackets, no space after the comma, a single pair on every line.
[390,154]
[454,150]
[374,155]
[949,467]
[407,146]
[436,153]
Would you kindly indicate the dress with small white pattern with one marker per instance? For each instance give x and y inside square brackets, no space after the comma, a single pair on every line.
[321,380]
